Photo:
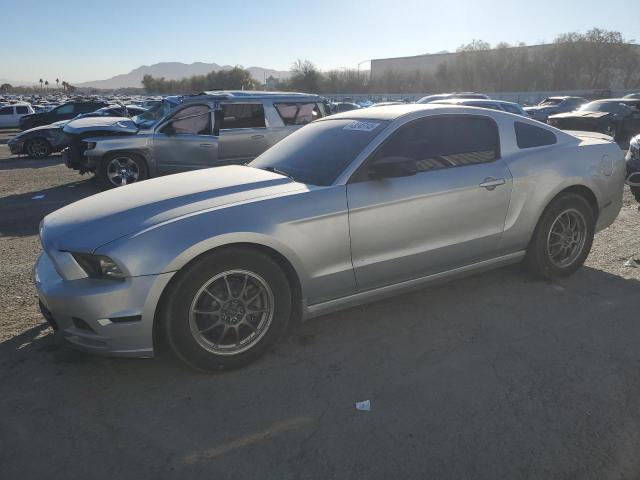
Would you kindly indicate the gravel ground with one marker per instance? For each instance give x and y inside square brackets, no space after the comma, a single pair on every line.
[523,379]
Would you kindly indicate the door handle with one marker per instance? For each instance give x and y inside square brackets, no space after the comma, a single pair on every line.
[490,183]
[256,137]
[206,145]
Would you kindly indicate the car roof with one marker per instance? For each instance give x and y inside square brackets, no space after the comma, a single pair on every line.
[393,112]
[257,94]
[480,101]
[619,100]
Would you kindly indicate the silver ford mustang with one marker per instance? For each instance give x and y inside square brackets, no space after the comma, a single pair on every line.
[348,209]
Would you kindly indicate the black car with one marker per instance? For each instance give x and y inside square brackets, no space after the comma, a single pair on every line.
[65,111]
[42,141]
[617,117]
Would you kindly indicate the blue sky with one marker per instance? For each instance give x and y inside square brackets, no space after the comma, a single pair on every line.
[90,40]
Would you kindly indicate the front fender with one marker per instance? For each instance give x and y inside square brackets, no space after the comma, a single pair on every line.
[310,230]
[129,144]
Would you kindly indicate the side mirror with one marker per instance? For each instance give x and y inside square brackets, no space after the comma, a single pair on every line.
[390,167]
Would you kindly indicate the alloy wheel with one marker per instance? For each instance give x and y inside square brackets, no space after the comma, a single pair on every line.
[37,148]
[231,312]
[566,238]
[122,171]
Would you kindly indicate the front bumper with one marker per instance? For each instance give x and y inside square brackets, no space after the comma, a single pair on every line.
[101,316]
[16,148]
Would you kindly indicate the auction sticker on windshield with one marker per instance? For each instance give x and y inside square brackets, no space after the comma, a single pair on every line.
[361,126]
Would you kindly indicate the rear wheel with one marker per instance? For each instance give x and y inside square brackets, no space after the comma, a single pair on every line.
[37,148]
[121,169]
[225,310]
[563,237]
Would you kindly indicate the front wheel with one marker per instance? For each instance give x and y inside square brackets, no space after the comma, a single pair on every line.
[226,309]
[562,239]
[121,169]
[37,148]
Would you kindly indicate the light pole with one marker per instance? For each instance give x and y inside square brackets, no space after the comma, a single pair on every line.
[360,63]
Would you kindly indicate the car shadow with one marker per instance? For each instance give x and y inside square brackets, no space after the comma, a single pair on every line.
[24,162]
[20,214]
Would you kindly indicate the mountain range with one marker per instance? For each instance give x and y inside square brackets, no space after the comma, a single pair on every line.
[168,70]
[175,71]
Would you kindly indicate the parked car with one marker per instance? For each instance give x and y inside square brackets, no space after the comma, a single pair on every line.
[633,167]
[349,209]
[345,107]
[10,115]
[449,96]
[618,117]
[63,112]
[40,142]
[502,105]
[207,130]
[114,111]
[553,105]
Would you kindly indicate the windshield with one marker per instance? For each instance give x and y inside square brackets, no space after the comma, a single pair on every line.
[609,107]
[155,113]
[319,152]
[551,101]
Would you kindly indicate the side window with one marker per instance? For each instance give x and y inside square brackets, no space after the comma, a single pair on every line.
[444,142]
[243,115]
[22,110]
[194,120]
[64,109]
[298,113]
[529,136]
[6,111]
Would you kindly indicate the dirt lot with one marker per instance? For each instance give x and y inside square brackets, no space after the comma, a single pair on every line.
[522,379]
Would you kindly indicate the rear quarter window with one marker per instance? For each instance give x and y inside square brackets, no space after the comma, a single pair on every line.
[530,136]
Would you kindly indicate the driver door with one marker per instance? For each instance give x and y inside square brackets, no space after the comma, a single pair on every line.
[449,213]
[186,141]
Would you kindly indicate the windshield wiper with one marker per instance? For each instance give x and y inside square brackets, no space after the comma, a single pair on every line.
[278,171]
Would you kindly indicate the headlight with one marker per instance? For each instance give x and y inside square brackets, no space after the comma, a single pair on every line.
[98,266]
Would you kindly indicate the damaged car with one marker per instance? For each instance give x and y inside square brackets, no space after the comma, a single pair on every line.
[40,142]
[553,105]
[617,117]
[205,130]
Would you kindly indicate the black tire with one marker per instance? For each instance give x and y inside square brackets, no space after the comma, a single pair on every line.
[539,258]
[132,161]
[636,193]
[187,288]
[37,148]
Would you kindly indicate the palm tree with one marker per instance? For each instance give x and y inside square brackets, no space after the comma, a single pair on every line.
[64,85]
[41,81]
[46,83]
[58,83]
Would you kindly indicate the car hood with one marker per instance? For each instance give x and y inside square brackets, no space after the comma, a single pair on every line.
[53,126]
[95,124]
[581,114]
[85,225]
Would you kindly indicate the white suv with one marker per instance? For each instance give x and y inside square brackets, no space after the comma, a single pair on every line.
[10,115]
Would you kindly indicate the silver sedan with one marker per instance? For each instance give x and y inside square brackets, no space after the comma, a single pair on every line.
[348,209]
